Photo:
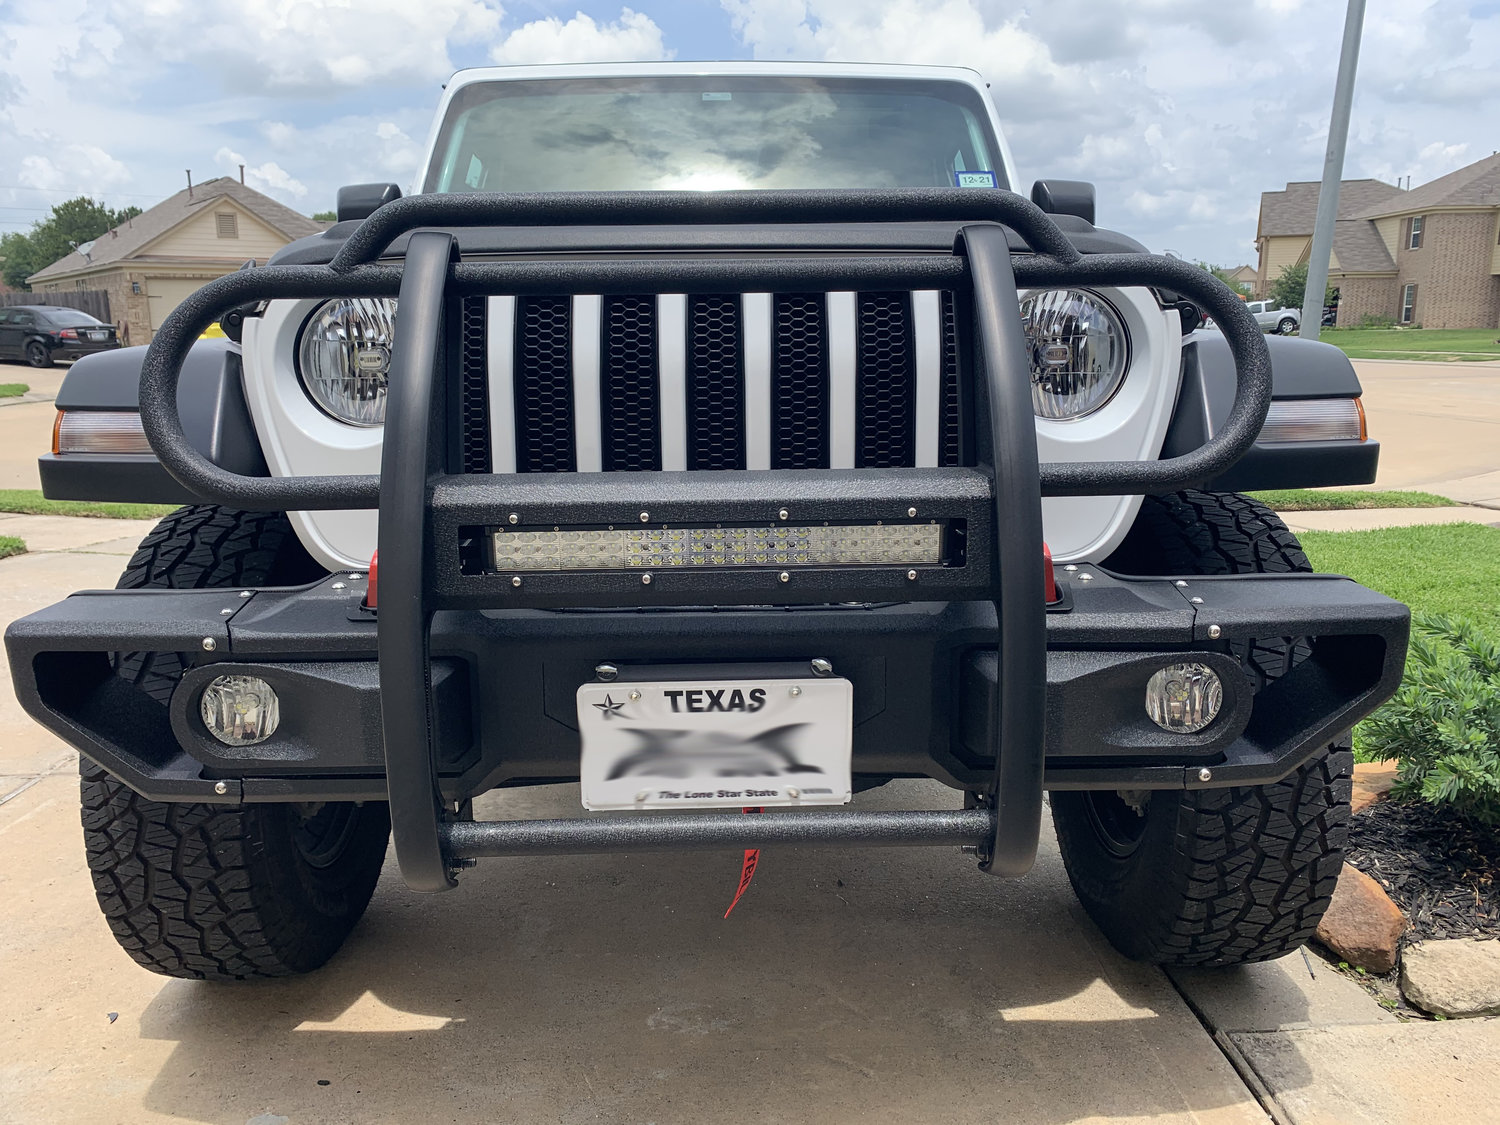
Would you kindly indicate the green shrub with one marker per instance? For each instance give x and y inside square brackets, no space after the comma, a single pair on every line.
[1443,725]
[1377,320]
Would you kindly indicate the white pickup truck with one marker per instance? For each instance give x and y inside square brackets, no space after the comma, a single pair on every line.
[1273,318]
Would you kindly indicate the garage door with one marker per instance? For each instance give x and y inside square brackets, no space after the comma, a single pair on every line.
[166,293]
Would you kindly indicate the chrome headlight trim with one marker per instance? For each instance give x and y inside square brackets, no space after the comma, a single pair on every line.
[1079,351]
[343,358]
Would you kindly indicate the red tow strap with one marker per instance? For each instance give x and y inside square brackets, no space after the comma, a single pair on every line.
[747,870]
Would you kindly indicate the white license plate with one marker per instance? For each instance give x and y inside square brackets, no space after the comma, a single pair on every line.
[716,743]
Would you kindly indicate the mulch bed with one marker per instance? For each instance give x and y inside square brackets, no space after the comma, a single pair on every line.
[1442,871]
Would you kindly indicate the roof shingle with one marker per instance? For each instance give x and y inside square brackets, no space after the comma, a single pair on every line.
[128,238]
[1293,211]
[1474,185]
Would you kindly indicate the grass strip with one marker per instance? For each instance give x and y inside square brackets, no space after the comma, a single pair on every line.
[10,545]
[13,390]
[30,502]
[1317,500]
[1445,344]
[1451,569]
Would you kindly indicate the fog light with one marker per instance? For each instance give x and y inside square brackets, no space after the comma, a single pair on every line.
[1184,698]
[240,710]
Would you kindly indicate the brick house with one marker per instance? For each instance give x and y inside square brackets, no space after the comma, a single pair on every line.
[149,264]
[1428,256]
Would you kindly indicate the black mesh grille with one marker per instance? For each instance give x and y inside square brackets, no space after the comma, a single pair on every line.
[885,424]
[950,394]
[631,417]
[801,419]
[474,387]
[799,383]
[715,384]
[544,385]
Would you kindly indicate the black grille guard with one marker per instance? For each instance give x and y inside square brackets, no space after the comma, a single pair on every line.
[412,478]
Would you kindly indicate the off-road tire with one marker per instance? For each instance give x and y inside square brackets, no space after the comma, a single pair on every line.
[214,892]
[1212,876]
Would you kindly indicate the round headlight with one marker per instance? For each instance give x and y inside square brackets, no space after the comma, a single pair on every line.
[1079,351]
[344,357]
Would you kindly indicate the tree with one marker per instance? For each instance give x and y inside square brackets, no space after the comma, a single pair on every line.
[71,223]
[1290,285]
[325,216]
[1222,273]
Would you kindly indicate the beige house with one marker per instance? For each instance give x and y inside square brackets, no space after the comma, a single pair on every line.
[149,264]
[1428,256]
[1243,275]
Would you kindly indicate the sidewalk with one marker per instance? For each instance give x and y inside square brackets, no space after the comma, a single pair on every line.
[1368,519]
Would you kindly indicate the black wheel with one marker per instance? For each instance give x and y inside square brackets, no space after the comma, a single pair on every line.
[1286,326]
[37,354]
[214,892]
[1211,876]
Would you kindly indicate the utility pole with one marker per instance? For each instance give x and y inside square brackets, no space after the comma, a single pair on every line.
[1333,172]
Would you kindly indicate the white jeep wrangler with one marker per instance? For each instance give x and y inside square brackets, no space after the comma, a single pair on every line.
[716,437]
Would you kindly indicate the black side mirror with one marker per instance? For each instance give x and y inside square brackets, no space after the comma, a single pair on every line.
[1056,197]
[357,201]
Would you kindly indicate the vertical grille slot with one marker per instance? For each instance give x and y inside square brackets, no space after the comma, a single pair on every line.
[799,383]
[628,385]
[474,403]
[885,423]
[715,383]
[544,386]
[950,432]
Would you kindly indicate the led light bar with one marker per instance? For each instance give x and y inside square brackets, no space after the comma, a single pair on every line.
[663,548]
[1315,419]
[99,431]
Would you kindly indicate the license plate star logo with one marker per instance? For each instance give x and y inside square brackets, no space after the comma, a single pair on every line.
[609,709]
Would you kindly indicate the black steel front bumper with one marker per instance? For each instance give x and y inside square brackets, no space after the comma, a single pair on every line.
[503,682]
[976,683]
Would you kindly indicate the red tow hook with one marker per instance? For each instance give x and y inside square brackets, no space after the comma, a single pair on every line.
[1049,575]
[369,602]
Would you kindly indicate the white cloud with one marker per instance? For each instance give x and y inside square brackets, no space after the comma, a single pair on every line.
[1181,112]
[72,164]
[303,45]
[269,177]
[631,38]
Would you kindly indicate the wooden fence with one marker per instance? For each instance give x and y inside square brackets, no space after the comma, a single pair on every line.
[95,302]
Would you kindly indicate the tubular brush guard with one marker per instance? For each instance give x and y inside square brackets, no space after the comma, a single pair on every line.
[1005,826]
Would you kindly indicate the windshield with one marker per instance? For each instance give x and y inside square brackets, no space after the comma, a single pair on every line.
[706,133]
[67,318]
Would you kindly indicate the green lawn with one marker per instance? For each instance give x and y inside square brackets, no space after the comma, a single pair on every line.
[30,502]
[1452,569]
[1317,500]
[10,545]
[1449,344]
[13,390]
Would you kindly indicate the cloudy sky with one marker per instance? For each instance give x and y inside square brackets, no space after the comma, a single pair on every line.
[1181,111]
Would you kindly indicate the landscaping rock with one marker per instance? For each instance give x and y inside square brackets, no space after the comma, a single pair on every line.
[1453,978]
[1372,781]
[1362,926]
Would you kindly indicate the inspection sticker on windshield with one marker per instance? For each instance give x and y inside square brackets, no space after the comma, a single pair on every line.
[716,743]
[974,179]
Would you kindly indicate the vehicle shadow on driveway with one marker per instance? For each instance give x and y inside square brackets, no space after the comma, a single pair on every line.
[874,985]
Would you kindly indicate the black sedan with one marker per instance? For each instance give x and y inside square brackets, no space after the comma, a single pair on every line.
[40,334]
